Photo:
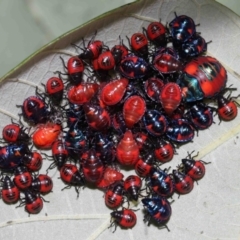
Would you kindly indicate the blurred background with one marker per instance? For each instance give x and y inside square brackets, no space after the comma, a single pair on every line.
[27,25]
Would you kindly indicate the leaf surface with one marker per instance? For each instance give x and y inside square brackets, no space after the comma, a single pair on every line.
[211,210]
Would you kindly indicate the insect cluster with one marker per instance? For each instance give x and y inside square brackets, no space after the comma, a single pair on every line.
[120,108]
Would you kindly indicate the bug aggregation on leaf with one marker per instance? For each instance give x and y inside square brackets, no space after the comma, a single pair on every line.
[137,104]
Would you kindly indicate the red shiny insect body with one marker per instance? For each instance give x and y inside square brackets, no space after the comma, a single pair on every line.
[132,186]
[227,108]
[82,93]
[106,61]
[113,92]
[33,202]
[164,151]
[170,97]
[203,77]
[59,153]
[139,44]
[133,110]
[144,165]
[9,192]
[93,50]
[125,218]
[153,87]
[101,74]
[33,161]
[119,52]
[75,69]
[114,195]
[183,183]
[92,167]
[70,174]
[156,33]
[14,133]
[42,184]
[34,110]
[127,151]
[54,89]
[166,62]
[103,184]
[111,175]
[22,178]
[194,169]
[45,135]
[161,183]
[155,122]
[97,117]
